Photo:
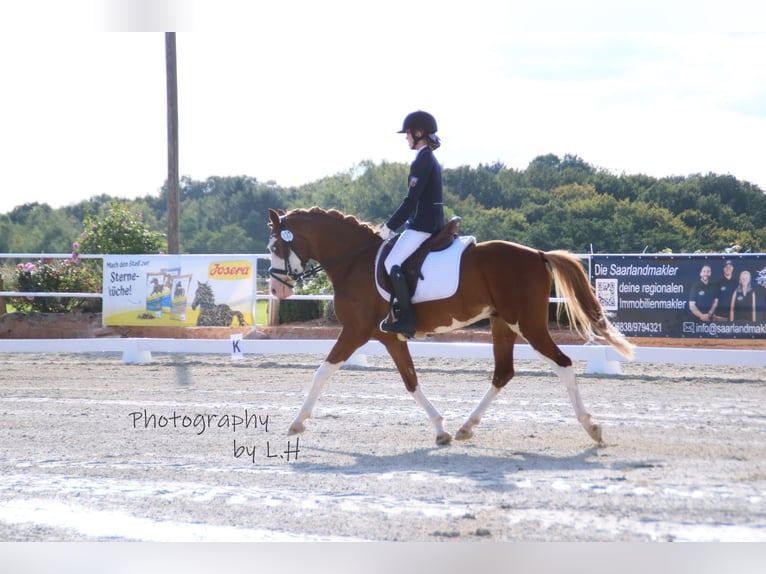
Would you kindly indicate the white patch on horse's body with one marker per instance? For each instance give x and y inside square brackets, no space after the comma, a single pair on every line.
[422,335]
[484,314]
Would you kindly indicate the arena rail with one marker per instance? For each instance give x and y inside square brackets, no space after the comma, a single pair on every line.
[600,359]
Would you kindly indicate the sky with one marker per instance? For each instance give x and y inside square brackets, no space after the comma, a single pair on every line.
[295,91]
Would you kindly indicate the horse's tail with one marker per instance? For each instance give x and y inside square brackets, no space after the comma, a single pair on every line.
[583,310]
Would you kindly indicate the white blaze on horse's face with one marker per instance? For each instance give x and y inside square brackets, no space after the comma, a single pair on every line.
[284,288]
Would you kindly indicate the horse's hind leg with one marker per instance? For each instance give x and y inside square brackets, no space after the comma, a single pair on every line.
[562,364]
[567,375]
[503,339]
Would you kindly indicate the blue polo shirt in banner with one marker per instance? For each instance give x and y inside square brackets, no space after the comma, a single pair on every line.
[423,207]
[703,295]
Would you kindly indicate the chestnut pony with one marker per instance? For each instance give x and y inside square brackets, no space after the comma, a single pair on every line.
[505,282]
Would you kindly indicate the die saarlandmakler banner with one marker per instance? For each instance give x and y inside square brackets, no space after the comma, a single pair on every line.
[720,296]
[178,290]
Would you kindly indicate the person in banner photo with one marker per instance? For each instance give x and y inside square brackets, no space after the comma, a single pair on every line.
[743,300]
[725,287]
[759,278]
[702,296]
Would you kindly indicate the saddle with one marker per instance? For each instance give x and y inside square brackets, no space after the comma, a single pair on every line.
[439,241]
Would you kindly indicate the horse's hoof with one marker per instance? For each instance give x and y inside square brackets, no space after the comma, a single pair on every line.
[464,434]
[595,433]
[296,428]
[443,439]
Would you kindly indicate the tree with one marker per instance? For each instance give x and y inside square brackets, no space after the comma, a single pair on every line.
[230,239]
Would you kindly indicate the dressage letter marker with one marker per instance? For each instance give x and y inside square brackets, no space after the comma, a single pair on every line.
[236,347]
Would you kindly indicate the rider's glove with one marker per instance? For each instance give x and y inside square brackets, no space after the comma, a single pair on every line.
[384,232]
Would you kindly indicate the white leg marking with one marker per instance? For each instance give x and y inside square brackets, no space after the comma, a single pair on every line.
[442,437]
[466,431]
[567,375]
[321,376]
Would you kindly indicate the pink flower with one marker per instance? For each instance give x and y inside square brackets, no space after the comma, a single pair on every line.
[75,245]
[74,257]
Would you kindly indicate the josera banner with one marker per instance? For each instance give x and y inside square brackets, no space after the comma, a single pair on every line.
[178,290]
[693,296]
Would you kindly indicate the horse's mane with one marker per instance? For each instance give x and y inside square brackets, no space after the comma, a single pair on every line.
[334,213]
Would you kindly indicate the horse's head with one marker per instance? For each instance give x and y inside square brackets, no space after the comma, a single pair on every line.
[286,264]
[326,236]
[203,296]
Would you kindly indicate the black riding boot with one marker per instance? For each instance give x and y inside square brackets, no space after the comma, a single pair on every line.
[405,323]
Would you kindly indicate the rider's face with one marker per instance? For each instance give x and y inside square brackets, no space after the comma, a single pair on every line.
[411,138]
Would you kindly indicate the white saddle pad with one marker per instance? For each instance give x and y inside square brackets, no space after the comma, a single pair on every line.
[440,271]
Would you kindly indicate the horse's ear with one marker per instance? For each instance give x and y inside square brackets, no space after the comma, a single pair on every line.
[273,219]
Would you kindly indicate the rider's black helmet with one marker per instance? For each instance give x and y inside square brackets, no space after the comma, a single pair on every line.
[419,120]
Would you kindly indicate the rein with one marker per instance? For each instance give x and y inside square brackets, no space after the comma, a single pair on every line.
[299,277]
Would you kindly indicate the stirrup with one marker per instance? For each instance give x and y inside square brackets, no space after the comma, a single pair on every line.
[398,328]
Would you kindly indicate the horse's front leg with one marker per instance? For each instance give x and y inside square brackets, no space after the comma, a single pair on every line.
[321,376]
[400,353]
[344,347]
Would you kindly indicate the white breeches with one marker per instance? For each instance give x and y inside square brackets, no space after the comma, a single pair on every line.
[405,246]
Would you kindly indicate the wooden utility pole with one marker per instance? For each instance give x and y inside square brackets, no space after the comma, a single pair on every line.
[174,239]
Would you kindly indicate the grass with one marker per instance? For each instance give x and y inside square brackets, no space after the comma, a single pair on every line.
[262,313]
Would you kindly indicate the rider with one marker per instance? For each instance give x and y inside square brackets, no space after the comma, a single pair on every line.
[422,210]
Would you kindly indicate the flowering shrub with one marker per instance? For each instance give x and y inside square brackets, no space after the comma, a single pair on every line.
[117,231]
[55,275]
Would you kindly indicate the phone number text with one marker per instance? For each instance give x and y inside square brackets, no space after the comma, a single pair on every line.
[638,327]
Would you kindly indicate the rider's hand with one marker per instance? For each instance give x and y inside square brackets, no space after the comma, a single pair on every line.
[384,232]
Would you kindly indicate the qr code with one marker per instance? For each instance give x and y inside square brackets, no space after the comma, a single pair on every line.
[606,293]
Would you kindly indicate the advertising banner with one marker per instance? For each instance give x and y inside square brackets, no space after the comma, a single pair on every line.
[683,296]
[178,290]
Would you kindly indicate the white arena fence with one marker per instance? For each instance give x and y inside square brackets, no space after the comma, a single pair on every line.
[600,358]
